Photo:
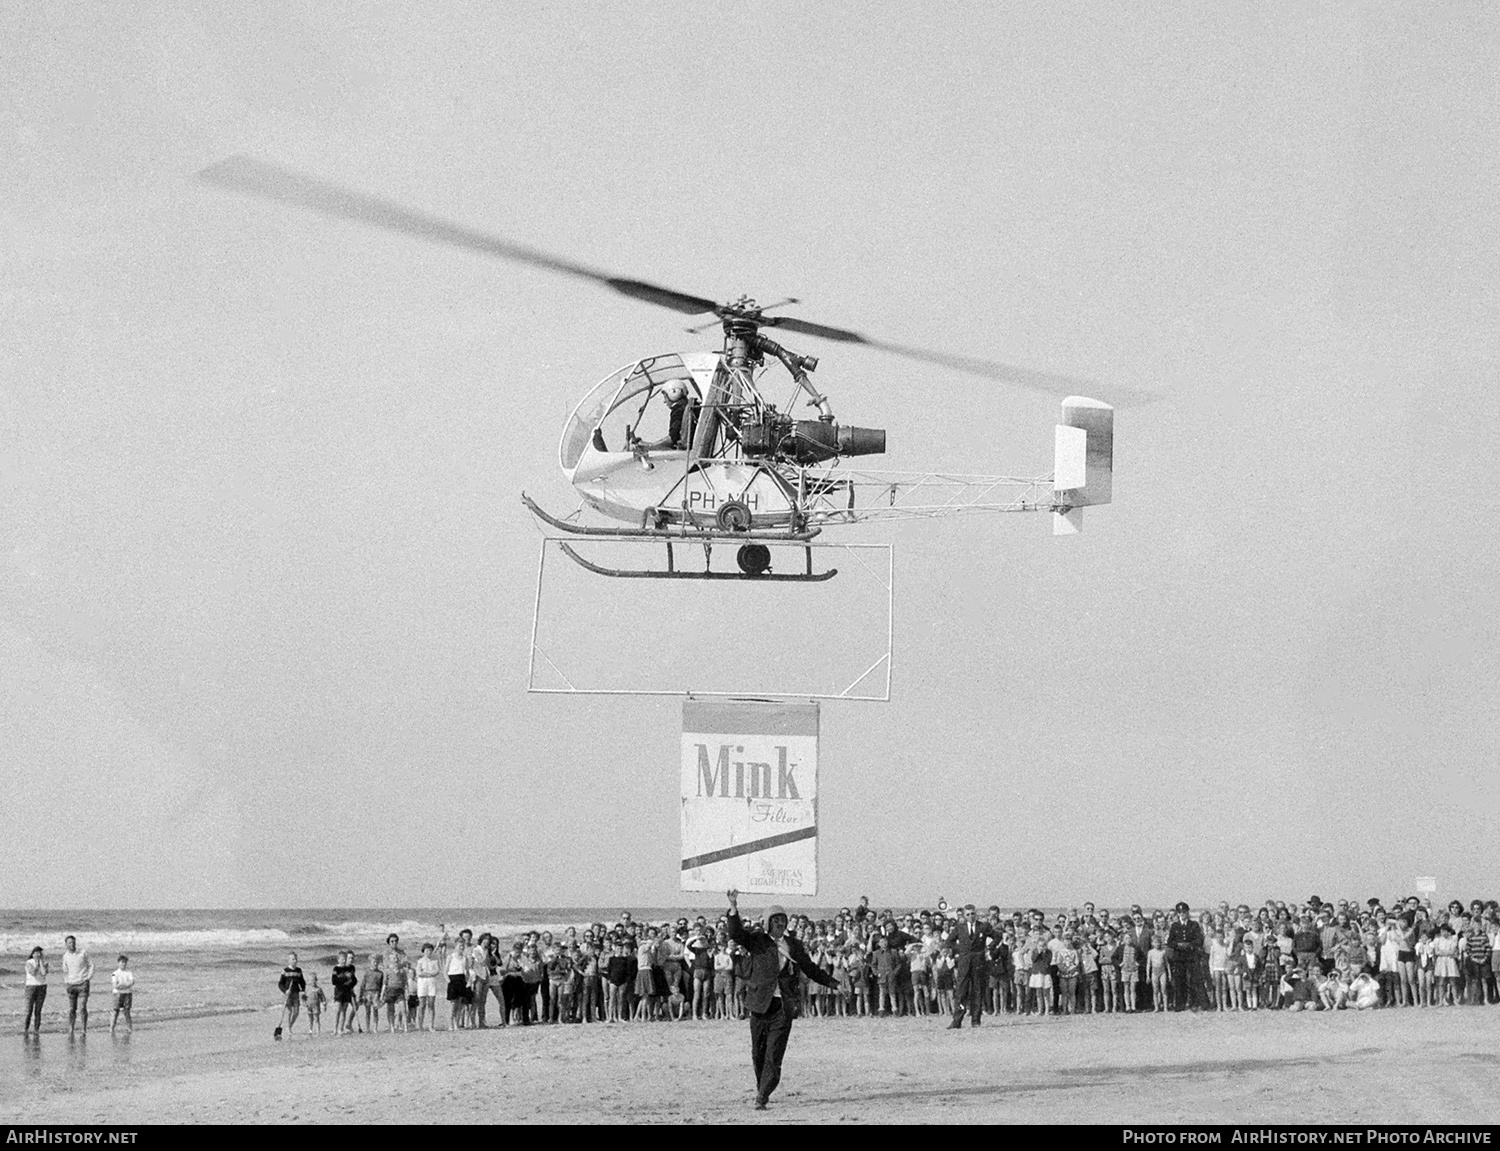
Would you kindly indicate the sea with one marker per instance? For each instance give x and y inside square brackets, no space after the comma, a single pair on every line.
[194,964]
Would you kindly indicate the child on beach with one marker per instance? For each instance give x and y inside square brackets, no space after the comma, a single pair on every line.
[943,980]
[903,995]
[312,999]
[413,1000]
[885,976]
[1109,973]
[572,985]
[123,982]
[677,1004]
[1390,966]
[427,985]
[1426,962]
[559,975]
[617,975]
[1406,959]
[1156,971]
[859,979]
[1069,963]
[841,978]
[1363,990]
[1333,990]
[645,978]
[1000,974]
[1445,965]
[923,977]
[1218,969]
[345,986]
[701,963]
[1250,967]
[723,978]
[1088,977]
[370,992]
[591,986]
[1020,972]
[291,985]
[828,961]
[1040,981]
[394,995]
[1129,959]
[1298,991]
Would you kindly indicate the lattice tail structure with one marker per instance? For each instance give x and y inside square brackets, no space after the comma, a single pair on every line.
[1083,469]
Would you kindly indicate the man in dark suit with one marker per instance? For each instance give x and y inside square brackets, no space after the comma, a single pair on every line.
[1138,932]
[971,941]
[771,990]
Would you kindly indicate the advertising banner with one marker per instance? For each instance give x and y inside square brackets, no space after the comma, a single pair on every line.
[750,796]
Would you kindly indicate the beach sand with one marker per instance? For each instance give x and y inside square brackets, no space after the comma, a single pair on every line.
[1394,1066]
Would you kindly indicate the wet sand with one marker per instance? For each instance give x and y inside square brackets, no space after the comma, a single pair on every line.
[1394,1066]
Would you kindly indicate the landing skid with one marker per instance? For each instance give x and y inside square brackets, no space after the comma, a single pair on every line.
[672,573]
[681,532]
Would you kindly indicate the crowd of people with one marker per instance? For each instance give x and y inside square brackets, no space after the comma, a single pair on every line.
[1312,956]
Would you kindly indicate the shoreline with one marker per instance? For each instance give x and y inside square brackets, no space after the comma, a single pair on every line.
[1388,1066]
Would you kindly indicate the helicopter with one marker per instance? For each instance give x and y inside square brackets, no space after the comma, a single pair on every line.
[696,447]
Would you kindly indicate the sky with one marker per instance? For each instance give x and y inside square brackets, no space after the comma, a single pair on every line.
[266,580]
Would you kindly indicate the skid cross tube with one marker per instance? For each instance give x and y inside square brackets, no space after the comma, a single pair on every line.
[682,533]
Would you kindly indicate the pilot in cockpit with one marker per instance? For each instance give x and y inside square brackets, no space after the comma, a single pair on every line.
[682,415]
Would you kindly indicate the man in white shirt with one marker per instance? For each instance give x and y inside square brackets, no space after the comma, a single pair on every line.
[78,969]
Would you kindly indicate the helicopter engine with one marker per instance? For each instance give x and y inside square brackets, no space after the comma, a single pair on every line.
[808,441]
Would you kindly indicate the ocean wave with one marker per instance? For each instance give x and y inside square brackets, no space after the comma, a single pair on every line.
[148,940]
[317,935]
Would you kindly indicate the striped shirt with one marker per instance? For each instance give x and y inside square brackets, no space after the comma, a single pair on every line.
[1477,938]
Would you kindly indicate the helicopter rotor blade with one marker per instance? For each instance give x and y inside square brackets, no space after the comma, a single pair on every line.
[1050,383]
[269,181]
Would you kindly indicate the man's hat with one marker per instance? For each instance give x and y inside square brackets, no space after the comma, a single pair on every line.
[774,910]
[1182,907]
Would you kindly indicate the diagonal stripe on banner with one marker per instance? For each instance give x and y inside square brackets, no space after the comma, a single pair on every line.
[748,848]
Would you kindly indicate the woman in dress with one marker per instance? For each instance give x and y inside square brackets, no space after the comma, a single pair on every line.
[1445,965]
[646,975]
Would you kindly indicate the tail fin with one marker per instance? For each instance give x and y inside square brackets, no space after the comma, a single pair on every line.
[1083,464]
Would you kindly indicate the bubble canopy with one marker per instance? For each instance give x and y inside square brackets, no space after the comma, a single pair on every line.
[624,393]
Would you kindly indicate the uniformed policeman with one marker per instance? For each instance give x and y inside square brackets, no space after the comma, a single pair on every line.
[1184,944]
